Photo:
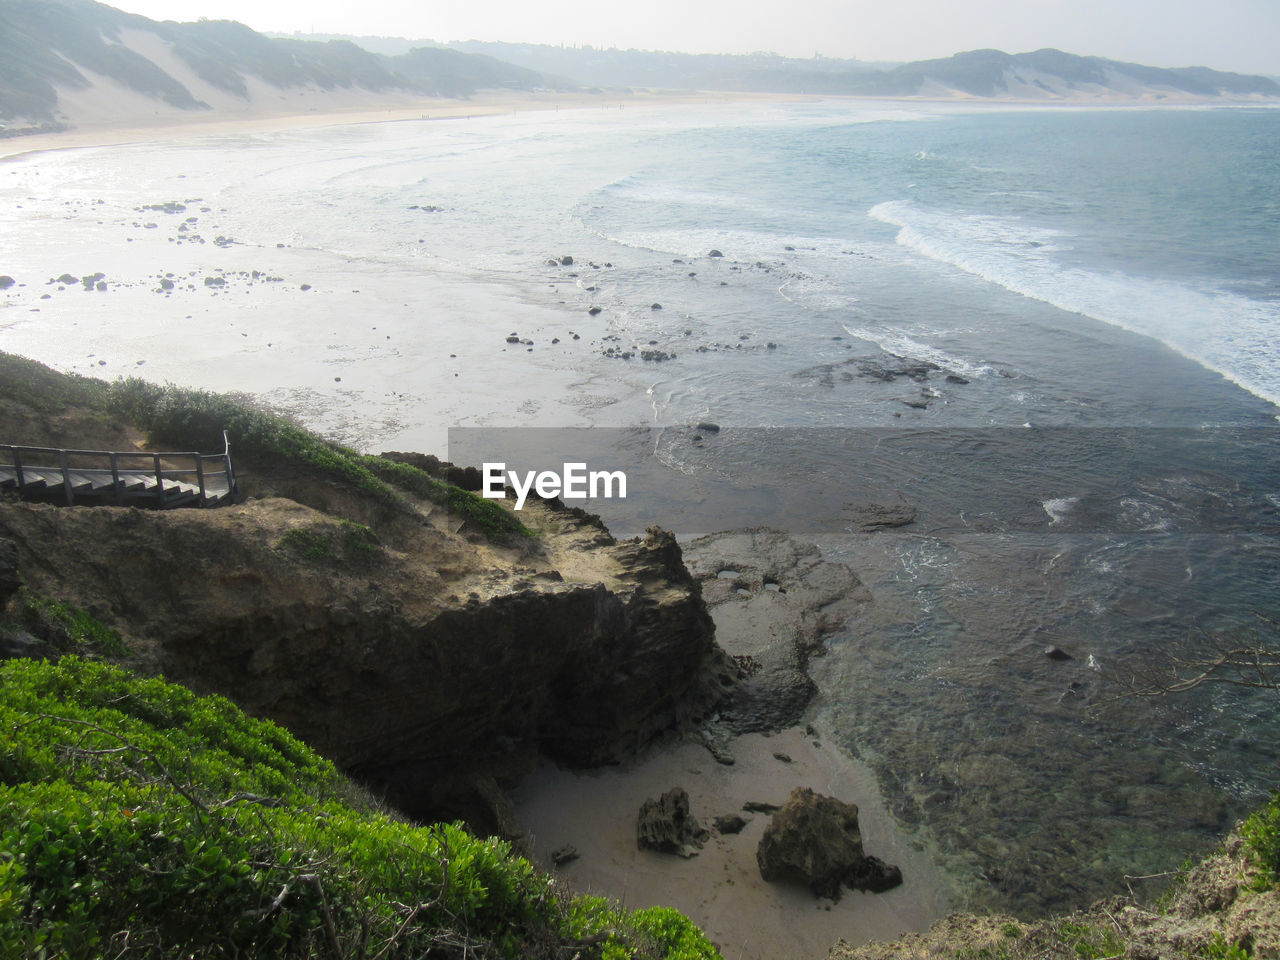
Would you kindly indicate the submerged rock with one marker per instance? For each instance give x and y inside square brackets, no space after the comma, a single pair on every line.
[815,840]
[880,516]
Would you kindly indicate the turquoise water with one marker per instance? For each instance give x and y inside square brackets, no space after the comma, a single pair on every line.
[1103,282]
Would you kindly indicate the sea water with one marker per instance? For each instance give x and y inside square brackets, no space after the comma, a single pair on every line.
[1051,332]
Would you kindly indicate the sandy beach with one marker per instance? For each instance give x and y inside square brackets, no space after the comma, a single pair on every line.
[721,888]
[146,124]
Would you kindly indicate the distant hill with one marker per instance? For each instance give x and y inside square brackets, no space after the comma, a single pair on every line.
[54,54]
[664,70]
[1042,75]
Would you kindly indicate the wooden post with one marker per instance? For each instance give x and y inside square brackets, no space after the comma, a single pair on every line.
[200,476]
[117,488]
[66,479]
[17,468]
[159,482]
[231,476]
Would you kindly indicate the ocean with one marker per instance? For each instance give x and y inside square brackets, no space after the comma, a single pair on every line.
[1053,333]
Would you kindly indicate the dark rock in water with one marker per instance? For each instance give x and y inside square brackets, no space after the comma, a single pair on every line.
[513,339]
[101,286]
[594,311]
[657,356]
[789,248]
[667,825]
[10,579]
[759,806]
[6,282]
[655,306]
[782,757]
[565,854]
[729,823]
[1057,653]
[715,253]
[566,261]
[953,378]
[707,427]
[917,404]
[215,281]
[815,840]
[881,516]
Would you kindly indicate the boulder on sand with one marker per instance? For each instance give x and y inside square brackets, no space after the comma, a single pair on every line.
[667,825]
[815,840]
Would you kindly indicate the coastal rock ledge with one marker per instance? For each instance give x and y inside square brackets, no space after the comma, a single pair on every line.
[434,668]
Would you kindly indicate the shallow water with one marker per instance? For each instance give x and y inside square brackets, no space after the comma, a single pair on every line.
[1092,455]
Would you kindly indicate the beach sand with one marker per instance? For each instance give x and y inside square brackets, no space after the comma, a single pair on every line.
[87,130]
[721,889]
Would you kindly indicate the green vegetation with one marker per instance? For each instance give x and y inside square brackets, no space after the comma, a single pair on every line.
[348,541]
[196,418]
[45,390]
[1262,834]
[140,820]
[65,628]
[1220,949]
[193,420]
[1090,942]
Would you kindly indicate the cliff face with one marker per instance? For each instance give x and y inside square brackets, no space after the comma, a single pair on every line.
[417,659]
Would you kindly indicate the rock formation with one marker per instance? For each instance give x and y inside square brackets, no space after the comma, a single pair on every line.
[434,668]
[815,840]
[666,825]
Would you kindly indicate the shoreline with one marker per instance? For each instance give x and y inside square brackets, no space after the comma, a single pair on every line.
[488,103]
[403,110]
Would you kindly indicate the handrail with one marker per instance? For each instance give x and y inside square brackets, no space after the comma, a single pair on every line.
[107,453]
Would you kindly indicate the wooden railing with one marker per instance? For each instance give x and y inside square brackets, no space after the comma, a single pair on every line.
[110,476]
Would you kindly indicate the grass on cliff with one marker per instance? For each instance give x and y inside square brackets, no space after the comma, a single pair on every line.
[188,419]
[140,820]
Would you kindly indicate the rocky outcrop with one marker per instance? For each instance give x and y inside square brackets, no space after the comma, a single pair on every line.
[815,840]
[10,580]
[432,667]
[667,825]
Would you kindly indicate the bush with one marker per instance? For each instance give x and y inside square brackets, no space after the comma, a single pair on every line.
[195,419]
[1262,834]
[140,820]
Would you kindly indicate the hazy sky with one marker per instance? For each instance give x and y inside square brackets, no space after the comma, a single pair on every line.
[1241,35]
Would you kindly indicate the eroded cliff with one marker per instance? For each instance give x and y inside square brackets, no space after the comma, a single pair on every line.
[422,659]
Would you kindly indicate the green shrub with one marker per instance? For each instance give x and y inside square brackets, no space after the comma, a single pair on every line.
[47,390]
[66,628]
[195,419]
[140,820]
[1262,834]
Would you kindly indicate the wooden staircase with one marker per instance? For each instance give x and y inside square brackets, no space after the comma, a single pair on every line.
[121,478]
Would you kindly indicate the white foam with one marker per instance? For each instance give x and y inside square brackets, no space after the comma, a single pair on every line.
[1225,332]
[1058,508]
[898,342]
